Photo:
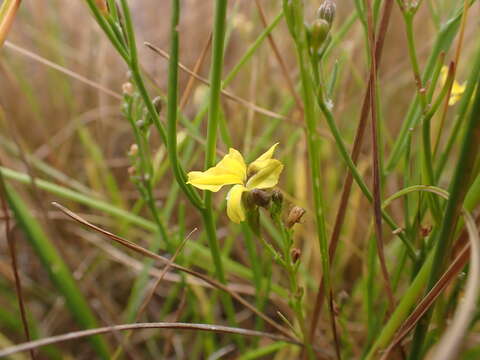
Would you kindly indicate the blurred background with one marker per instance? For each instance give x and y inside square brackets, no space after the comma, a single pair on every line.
[61,121]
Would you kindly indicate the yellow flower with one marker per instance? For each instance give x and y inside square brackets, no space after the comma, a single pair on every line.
[457,88]
[263,173]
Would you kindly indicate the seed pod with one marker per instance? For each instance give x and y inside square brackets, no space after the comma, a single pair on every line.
[295,216]
[326,11]
[318,32]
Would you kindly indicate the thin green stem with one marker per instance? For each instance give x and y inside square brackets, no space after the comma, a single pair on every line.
[412,53]
[218,44]
[172,111]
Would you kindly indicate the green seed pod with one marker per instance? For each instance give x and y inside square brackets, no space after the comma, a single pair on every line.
[326,11]
[318,31]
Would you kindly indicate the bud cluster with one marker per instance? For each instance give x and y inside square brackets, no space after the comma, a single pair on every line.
[319,29]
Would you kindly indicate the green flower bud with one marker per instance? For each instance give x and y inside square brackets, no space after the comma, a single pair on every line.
[326,11]
[318,32]
[276,203]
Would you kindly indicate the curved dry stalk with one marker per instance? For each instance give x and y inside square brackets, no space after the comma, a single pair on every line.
[173,265]
[153,325]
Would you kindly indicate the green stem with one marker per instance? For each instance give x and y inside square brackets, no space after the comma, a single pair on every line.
[218,42]
[412,53]
[295,19]
[172,111]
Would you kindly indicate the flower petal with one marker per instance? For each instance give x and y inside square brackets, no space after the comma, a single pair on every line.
[230,170]
[457,88]
[267,176]
[457,91]
[235,208]
[261,161]
[443,75]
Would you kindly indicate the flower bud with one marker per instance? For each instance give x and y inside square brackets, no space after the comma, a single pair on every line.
[157,102]
[127,88]
[425,230]
[318,31]
[295,253]
[277,197]
[277,203]
[102,6]
[326,11]
[260,197]
[133,150]
[295,215]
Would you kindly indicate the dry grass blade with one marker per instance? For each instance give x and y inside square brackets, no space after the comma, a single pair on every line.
[163,259]
[196,69]
[62,69]
[153,325]
[167,267]
[226,93]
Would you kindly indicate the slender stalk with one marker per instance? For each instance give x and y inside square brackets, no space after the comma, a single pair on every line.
[295,22]
[218,42]
[412,53]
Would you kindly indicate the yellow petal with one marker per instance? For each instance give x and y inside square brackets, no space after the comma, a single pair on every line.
[230,170]
[457,91]
[267,176]
[261,161]
[443,74]
[235,208]
[457,88]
